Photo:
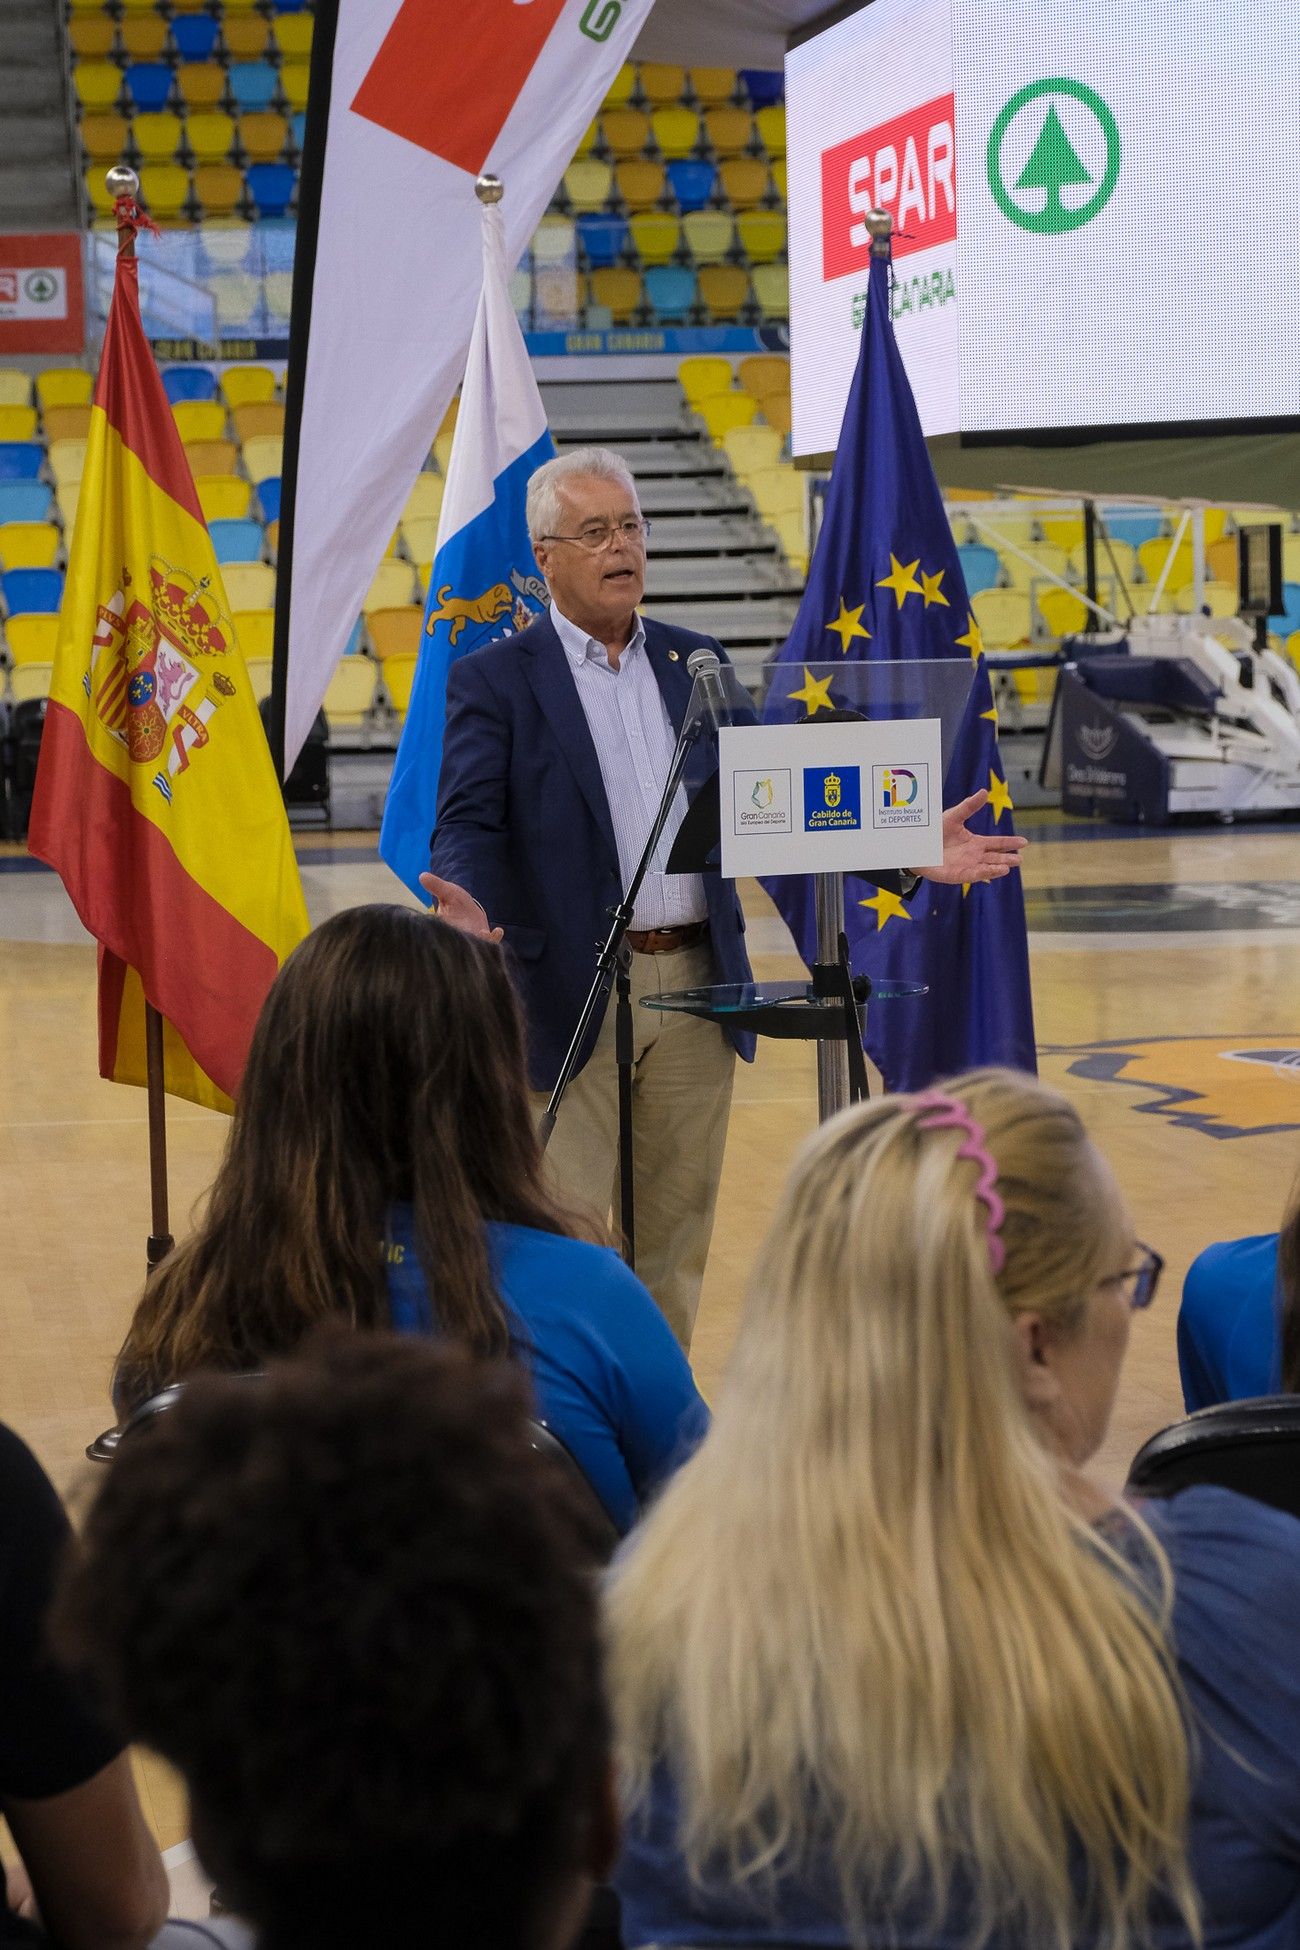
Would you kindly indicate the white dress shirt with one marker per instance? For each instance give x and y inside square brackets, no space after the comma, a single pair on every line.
[634,741]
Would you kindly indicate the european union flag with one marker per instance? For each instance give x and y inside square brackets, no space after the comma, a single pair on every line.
[885,582]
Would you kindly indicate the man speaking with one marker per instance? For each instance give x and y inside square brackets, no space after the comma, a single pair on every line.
[557,746]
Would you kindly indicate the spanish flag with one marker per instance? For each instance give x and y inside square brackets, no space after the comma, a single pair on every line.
[156,800]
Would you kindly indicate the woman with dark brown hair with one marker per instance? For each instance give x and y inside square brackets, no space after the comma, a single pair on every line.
[382,1166]
[1239,1323]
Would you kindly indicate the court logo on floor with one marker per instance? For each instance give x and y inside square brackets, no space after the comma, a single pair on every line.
[1224,1088]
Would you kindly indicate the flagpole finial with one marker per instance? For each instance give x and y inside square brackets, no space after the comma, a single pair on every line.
[489,189]
[881,226]
[123,185]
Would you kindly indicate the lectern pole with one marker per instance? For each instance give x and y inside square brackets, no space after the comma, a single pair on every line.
[832,1055]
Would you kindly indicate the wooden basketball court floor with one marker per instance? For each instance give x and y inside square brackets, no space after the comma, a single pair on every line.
[1166,975]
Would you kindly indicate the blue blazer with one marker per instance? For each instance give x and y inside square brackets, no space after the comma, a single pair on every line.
[524,824]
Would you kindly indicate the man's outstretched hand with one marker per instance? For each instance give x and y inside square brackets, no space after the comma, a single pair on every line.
[459,909]
[971,856]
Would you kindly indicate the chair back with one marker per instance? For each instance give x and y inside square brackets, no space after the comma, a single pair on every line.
[1252,1447]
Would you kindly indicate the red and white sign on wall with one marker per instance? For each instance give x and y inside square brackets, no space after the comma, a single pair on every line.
[906,166]
[41,306]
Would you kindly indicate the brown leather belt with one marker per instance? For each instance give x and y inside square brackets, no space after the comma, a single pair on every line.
[666,941]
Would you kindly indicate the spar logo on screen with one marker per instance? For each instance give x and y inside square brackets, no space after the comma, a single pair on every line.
[907,166]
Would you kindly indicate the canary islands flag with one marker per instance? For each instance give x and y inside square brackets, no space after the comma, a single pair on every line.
[484,582]
[885,582]
[156,800]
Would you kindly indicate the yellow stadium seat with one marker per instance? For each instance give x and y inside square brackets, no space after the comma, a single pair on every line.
[277,289]
[294,76]
[588,183]
[1220,598]
[723,411]
[226,243]
[1215,522]
[235,296]
[622,88]
[104,137]
[711,86]
[656,235]
[201,84]
[396,631]
[626,131]
[259,676]
[762,235]
[67,460]
[92,36]
[263,135]
[263,456]
[223,497]
[1292,647]
[730,131]
[293,34]
[676,131]
[200,419]
[777,491]
[393,586]
[770,126]
[557,292]
[710,234]
[792,529]
[587,140]
[143,37]
[1125,556]
[211,134]
[164,188]
[1221,558]
[249,585]
[442,448]
[218,188]
[780,178]
[772,289]
[724,291]
[640,182]
[212,456]
[764,373]
[1062,613]
[424,502]
[65,495]
[419,533]
[777,412]
[618,289]
[447,424]
[246,36]
[271,536]
[661,83]
[1153,556]
[1047,560]
[17,423]
[704,373]
[399,675]
[259,419]
[255,631]
[32,639]
[64,386]
[1062,531]
[555,241]
[29,544]
[351,693]
[98,83]
[157,137]
[27,682]
[744,180]
[752,449]
[15,386]
[1004,617]
[243,386]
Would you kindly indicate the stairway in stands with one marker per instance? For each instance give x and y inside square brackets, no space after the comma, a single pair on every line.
[38,181]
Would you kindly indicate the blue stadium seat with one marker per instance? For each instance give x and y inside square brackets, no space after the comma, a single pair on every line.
[981,567]
[32,592]
[670,289]
[693,182]
[149,84]
[1131,526]
[268,493]
[195,36]
[603,238]
[21,460]
[353,643]
[1289,619]
[253,84]
[298,128]
[236,541]
[764,85]
[25,501]
[274,242]
[289,6]
[189,382]
[271,187]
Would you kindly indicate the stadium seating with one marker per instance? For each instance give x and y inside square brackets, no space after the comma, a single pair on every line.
[29,544]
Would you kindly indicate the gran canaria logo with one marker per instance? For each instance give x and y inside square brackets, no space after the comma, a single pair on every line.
[832,801]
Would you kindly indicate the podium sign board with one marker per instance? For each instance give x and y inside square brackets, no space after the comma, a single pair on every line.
[832,798]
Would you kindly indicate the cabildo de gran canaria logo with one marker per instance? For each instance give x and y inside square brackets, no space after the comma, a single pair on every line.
[832,801]
[1053,156]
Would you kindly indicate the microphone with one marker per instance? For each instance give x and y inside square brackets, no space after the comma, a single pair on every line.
[705,668]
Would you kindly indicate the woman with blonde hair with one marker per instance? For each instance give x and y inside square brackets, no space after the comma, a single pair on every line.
[887,1664]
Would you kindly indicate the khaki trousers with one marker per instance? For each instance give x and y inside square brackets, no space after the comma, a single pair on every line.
[681,1100]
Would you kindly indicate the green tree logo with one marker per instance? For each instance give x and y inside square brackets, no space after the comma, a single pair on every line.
[1054,164]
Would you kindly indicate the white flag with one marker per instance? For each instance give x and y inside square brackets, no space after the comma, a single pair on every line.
[425,95]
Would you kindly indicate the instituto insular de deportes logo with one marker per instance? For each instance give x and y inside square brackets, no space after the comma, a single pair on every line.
[1053,156]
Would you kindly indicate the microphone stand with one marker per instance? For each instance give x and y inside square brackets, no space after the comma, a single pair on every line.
[613,964]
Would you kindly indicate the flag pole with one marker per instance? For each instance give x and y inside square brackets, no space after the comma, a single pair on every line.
[123,186]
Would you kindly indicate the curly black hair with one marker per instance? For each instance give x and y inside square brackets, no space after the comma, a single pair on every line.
[353,1607]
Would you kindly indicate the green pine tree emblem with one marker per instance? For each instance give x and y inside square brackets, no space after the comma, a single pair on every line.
[1054,163]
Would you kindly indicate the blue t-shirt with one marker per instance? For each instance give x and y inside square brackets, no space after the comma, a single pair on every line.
[1236,1567]
[608,1377]
[1229,1344]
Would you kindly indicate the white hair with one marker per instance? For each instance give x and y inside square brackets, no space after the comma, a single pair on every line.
[543,504]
